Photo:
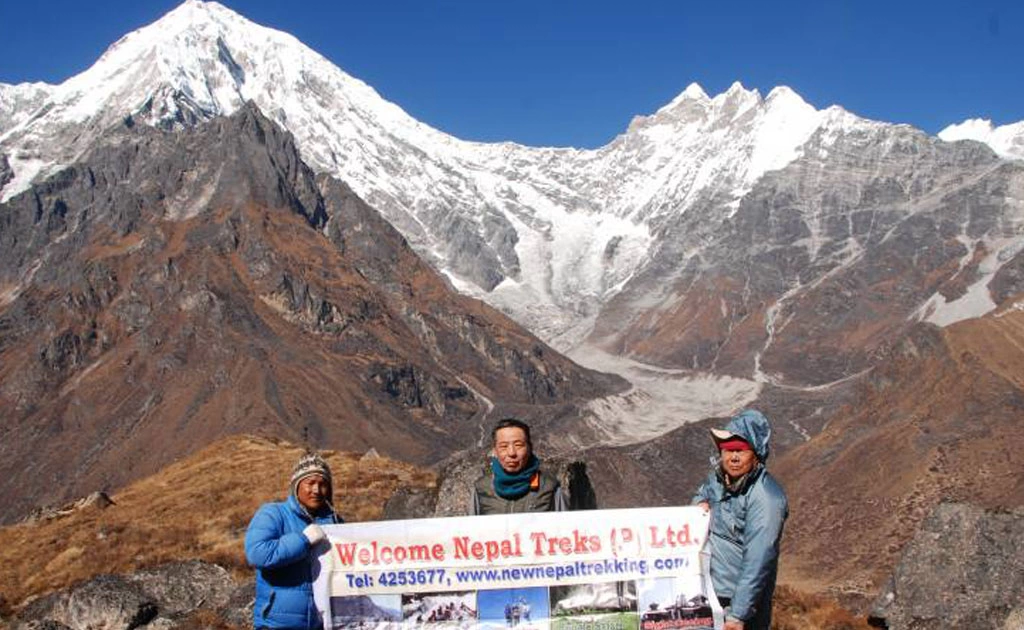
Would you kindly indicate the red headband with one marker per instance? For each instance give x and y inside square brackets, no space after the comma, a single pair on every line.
[734,444]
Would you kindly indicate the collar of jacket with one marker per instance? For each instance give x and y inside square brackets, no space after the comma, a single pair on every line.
[295,506]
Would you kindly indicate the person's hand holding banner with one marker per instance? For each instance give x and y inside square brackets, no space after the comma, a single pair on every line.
[314,534]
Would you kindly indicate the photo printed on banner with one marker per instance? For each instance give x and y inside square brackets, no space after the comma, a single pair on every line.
[514,608]
[668,603]
[446,610]
[601,606]
[366,612]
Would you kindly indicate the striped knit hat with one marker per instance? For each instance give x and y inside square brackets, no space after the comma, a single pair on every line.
[310,464]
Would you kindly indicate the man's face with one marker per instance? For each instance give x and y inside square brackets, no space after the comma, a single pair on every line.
[312,492]
[738,463]
[511,449]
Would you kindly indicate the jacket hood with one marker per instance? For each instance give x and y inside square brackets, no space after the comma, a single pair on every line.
[752,426]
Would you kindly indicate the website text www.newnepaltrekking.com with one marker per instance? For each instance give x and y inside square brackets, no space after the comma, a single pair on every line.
[473,578]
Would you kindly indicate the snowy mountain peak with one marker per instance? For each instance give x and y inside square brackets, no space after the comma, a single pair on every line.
[736,100]
[737,88]
[970,129]
[694,106]
[198,61]
[1006,140]
[693,92]
[783,94]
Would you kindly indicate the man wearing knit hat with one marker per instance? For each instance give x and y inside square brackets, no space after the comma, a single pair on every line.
[281,543]
[748,509]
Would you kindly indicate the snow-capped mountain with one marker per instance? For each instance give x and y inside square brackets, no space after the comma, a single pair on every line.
[1006,140]
[547,234]
[740,235]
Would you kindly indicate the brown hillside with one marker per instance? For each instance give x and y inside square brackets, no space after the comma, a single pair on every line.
[196,508]
[178,287]
[938,420]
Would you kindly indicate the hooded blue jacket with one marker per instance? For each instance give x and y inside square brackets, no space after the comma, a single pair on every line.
[283,558]
[746,527]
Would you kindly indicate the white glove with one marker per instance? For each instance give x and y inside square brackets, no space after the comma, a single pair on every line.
[314,534]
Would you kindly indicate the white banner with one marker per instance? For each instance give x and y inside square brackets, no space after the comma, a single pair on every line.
[636,569]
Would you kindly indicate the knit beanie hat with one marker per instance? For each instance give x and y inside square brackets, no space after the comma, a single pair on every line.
[310,464]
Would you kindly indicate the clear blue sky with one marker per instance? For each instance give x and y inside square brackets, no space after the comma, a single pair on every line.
[574,72]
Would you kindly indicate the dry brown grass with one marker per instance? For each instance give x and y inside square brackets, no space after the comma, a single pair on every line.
[796,610]
[196,508]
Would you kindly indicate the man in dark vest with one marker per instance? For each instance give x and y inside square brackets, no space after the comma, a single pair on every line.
[515,482]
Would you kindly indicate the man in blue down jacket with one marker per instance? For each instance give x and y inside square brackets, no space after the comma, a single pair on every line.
[281,542]
[748,508]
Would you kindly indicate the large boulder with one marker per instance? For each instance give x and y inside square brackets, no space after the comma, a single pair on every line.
[104,602]
[963,569]
[182,587]
[167,596]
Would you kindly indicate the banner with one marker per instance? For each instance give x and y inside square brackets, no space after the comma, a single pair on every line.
[637,569]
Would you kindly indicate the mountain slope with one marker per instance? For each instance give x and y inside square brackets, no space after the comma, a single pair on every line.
[177,286]
[826,260]
[939,420]
[722,252]
[195,508]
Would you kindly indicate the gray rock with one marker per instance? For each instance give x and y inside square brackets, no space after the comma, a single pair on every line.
[6,174]
[45,624]
[160,597]
[238,609]
[183,587]
[408,503]
[455,480]
[107,602]
[963,569]
[96,500]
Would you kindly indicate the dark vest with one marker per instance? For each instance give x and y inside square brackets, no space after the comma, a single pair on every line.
[541,499]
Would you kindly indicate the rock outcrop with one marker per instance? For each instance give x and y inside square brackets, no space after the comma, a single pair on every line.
[164,597]
[963,569]
[96,501]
